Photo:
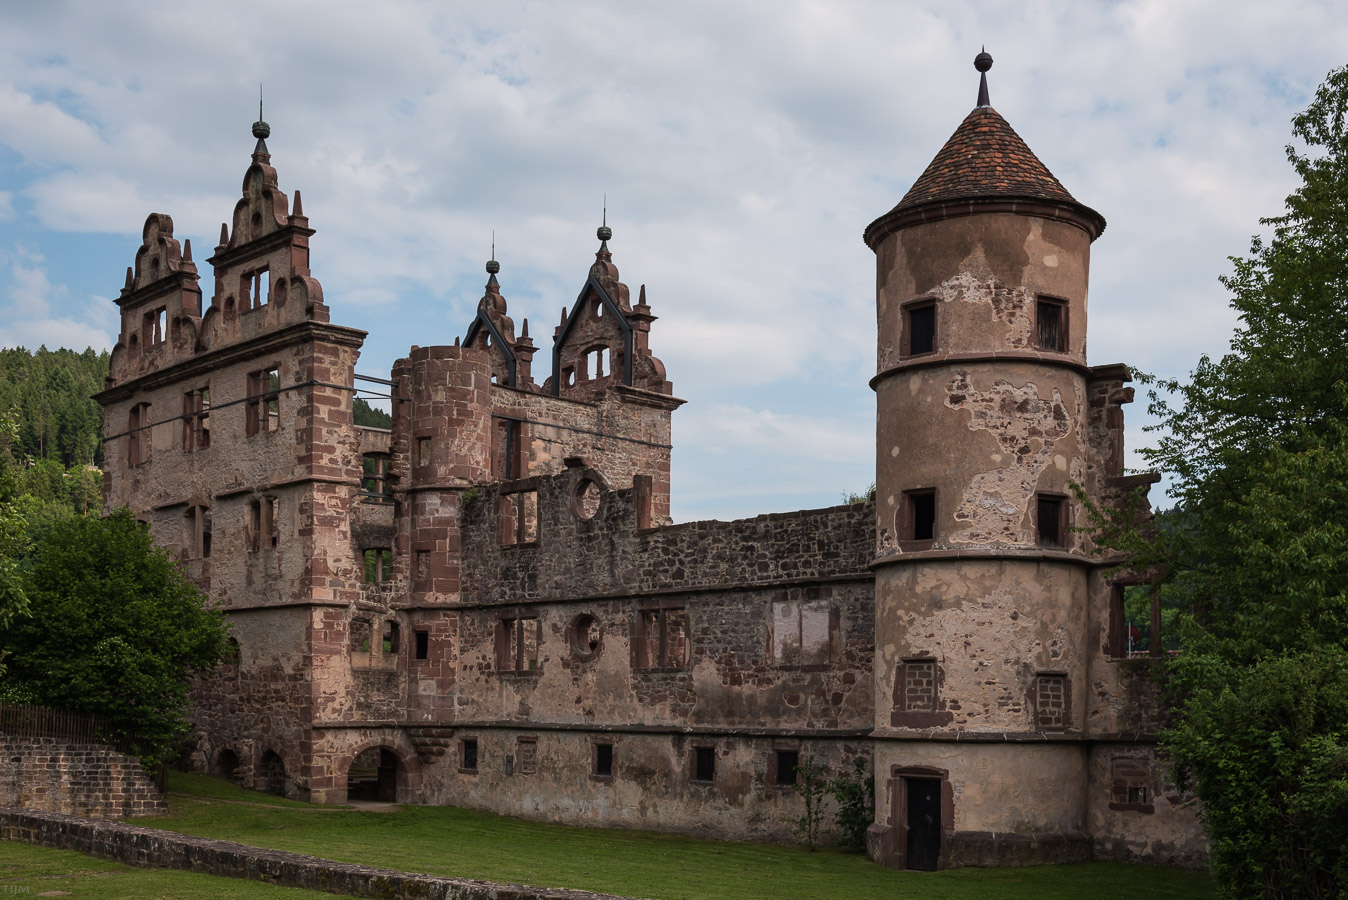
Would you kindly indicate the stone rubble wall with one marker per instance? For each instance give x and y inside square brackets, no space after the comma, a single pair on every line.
[162,849]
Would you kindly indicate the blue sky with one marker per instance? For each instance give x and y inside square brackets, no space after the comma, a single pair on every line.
[743,147]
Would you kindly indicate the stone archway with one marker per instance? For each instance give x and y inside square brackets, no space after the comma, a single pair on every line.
[227,764]
[271,774]
[378,769]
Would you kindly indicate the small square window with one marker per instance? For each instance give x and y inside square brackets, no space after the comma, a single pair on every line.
[423,644]
[468,755]
[603,760]
[919,328]
[1051,325]
[787,762]
[704,764]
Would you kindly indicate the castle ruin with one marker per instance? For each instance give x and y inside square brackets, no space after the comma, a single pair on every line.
[485,606]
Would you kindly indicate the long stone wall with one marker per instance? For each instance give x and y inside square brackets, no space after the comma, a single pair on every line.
[163,849]
[53,775]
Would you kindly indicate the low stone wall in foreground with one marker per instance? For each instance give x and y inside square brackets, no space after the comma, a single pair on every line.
[150,847]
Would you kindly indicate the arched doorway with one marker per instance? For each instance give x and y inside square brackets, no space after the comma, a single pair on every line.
[227,763]
[271,776]
[373,776]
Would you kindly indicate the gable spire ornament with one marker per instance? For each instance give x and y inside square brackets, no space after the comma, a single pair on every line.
[261,130]
[603,232]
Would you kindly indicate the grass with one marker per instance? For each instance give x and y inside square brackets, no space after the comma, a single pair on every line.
[27,871]
[468,844]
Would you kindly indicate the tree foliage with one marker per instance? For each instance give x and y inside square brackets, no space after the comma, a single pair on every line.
[1257,551]
[855,793]
[114,628]
[365,414]
[52,390]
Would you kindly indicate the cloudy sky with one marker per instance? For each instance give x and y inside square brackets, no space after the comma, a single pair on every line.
[743,147]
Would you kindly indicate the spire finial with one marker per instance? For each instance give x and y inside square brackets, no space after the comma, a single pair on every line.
[983,62]
[604,233]
[492,265]
[261,130]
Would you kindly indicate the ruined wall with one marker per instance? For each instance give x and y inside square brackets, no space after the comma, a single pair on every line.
[54,775]
[1136,813]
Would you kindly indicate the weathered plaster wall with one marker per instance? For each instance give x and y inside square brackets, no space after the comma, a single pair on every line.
[1164,829]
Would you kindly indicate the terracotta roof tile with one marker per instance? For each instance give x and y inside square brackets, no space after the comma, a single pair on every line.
[984,158]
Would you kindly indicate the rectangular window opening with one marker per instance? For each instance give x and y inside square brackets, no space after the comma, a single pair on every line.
[662,639]
[603,760]
[921,515]
[1050,701]
[517,645]
[1050,520]
[1051,325]
[704,764]
[468,755]
[787,762]
[526,754]
[919,328]
[264,401]
[423,642]
[919,685]
[423,451]
[378,565]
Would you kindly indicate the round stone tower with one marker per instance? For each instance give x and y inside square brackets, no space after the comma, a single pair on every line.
[982,587]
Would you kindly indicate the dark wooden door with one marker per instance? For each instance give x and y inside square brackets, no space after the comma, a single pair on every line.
[924,823]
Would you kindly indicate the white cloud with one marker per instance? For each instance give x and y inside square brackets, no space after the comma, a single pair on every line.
[743,148]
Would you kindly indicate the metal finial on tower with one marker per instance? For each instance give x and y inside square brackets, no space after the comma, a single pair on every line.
[983,62]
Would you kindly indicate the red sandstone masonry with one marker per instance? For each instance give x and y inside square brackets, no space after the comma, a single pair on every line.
[163,849]
[53,775]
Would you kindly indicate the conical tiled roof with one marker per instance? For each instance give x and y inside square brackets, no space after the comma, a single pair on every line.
[984,160]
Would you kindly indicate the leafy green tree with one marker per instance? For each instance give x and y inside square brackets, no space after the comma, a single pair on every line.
[855,793]
[365,414]
[812,787]
[115,629]
[1257,552]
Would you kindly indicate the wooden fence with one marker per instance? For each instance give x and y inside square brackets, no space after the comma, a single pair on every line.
[26,720]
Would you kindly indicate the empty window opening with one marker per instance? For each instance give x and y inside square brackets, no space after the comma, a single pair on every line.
[271,521]
[359,648]
[598,308]
[1050,691]
[704,764]
[509,456]
[197,532]
[229,665]
[569,376]
[257,287]
[254,525]
[138,443]
[586,504]
[264,401]
[1051,325]
[787,761]
[423,644]
[378,565]
[374,477]
[196,419]
[227,764]
[584,636]
[526,754]
[1142,619]
[1050,520]
[919,684]
[919,328]
[662,638]
[804,632]
[517,645]
[271,776]
[423,451]
[1130,780]
[603,760]
[920,515]
[392,639]
[154,326]
[468,755]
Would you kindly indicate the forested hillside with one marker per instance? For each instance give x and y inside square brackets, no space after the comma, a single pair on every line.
[50,393]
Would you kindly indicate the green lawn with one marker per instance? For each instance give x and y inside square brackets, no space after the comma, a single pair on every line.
[467,844]
[27,871]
